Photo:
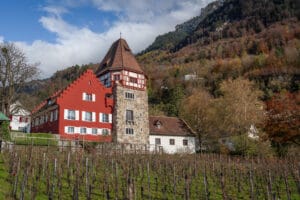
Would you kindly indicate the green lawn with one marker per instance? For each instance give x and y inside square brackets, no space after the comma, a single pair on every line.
[5,186]
[39,139]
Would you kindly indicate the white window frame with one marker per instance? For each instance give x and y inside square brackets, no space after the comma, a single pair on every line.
[93,132]
[105,131]
[92,117]
[101,115]
[88,97]
[83,132]
[69,128]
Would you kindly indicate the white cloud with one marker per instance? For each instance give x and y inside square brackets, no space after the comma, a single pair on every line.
[140,22]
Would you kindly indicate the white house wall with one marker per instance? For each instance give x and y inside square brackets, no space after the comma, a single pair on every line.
[177,148]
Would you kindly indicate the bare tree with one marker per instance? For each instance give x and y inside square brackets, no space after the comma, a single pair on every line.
[14,72]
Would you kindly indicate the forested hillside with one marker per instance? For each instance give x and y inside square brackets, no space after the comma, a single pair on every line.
[240,59]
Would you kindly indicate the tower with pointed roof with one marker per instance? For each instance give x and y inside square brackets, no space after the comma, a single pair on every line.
[120,71]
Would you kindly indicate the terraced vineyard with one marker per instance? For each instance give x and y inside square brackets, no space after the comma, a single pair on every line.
[31,172]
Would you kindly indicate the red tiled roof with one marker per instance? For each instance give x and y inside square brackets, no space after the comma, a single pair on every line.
[169,126]
[119,56]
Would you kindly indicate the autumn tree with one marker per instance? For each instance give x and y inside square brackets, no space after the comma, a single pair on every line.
[283,120]
[240,106]
[196,111]
[14,72]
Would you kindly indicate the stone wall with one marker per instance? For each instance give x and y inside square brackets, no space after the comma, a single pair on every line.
[140,123]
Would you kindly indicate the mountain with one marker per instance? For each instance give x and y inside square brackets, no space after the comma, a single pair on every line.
[171,39]
[253,39]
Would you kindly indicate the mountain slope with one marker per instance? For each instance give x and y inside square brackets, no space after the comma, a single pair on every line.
[171,39]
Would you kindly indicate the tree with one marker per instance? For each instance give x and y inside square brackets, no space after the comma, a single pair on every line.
[239,107]
[14,72]
[283,120]
[196,111]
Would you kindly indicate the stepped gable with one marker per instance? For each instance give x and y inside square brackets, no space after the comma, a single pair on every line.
[119,57]
[172,126]
[58,94]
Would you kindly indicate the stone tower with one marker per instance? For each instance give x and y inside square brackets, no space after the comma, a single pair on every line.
[120,71]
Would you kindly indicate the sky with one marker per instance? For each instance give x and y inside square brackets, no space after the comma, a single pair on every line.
[61,33]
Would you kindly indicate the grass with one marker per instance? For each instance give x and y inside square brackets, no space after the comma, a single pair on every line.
[38,139]
[5,186]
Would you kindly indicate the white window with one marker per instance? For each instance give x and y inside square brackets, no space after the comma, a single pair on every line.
[82,130]
[71,114]
[106,118]
[129,131]
[88,116]
[129,95]
[88,97]
[105,131]
[94,131]
[70,129]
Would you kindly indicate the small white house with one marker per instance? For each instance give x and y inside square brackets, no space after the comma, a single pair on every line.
[20,118]
[171,135]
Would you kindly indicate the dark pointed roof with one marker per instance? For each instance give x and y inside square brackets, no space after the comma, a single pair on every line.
[118,57]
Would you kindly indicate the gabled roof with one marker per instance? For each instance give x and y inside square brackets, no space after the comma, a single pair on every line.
[3,117]
[52,100]
[118,57]
[171,126]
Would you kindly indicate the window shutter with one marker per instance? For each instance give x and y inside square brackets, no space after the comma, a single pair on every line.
[100,117]
[66,129]
[110,118]
[83,96]
[83,116]
[93,116]
[77,115]
[93,97]
[66,114]
[76,130]
[88,130]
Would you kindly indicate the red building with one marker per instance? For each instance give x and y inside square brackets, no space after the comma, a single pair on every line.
[83,110]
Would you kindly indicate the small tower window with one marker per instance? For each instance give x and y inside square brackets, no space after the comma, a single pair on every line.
[129,95]
[129,131]
[129,115]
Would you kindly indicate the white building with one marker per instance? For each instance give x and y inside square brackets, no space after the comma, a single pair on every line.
[171,135]
[20,118]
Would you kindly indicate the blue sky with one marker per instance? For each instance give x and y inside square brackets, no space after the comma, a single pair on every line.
[61,33]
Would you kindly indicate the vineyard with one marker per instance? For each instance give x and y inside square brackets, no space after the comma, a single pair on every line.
[106,173]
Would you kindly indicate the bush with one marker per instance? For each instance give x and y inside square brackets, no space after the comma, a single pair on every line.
[4,132]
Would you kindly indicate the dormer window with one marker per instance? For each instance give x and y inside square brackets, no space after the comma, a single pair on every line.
[49,102]
[158,124]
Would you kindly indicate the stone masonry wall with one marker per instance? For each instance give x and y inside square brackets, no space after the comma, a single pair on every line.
[140,124]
